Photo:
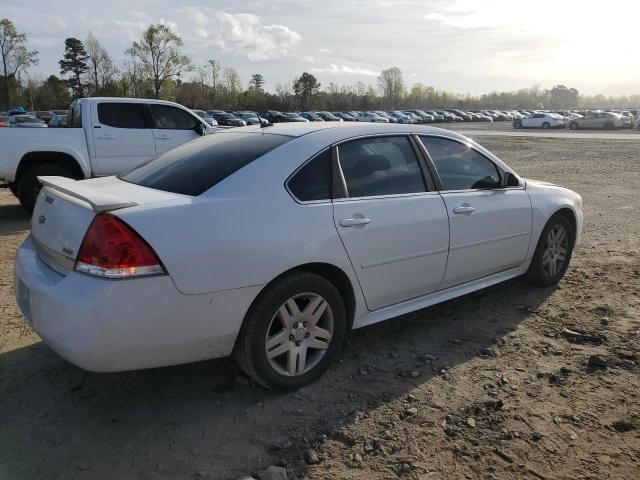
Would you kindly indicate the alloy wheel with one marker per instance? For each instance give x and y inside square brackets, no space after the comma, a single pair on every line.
[555,250]
[299,334]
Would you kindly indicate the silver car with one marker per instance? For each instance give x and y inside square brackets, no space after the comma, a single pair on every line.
[606,120]
[26,121]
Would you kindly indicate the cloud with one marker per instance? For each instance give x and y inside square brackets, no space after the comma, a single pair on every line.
[242,33]
[346,70]
[324,50]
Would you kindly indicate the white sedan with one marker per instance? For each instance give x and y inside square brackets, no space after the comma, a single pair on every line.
[271,243]
[369,117]
[541,120]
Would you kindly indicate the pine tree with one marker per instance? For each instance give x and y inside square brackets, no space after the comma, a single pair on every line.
[75,62]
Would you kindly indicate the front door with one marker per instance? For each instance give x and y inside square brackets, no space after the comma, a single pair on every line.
[490,226]
[396,233]
[122,137]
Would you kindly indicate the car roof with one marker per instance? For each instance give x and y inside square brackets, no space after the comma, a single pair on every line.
[335,132]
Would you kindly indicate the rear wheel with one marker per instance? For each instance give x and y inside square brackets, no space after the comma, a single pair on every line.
[609,126]
[573,125]
[553,252]
[517,124]
[546,125]
[28,187]
[293,332]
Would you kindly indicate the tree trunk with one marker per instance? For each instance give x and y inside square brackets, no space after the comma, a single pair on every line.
[7,94]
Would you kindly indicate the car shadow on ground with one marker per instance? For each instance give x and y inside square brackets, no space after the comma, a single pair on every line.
[13,219]
[206,420]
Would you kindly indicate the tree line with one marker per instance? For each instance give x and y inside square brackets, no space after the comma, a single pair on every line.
[155,66]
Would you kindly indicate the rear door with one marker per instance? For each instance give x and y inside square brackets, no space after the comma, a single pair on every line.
[172,126]
[490,226]
[394,228]
[122,136]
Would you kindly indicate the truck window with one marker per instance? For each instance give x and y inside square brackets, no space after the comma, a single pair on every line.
[172,118]
[74,115]
[122,115]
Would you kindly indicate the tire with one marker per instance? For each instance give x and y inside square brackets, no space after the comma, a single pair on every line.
[546,125]
[609,126]
[28,187]
[574,126]
[540,271]
[13,189]
[264,323]
[517,124]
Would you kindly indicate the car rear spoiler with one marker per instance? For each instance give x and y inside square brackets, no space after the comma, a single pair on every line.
[99,201]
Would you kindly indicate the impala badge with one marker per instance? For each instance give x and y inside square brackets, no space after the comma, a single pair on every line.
[42,219]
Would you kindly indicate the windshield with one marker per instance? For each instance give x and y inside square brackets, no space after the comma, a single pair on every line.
[195,167]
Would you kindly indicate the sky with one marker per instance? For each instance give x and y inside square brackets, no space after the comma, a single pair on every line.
[463,46]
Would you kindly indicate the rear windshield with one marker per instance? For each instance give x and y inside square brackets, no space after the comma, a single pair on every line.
[195,167]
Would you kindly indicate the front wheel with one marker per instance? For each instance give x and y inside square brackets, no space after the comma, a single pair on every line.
[553,252]
[546,125]
[573,125]
[292,332]
[517,124]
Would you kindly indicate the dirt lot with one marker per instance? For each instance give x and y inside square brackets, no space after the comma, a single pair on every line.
[485,386]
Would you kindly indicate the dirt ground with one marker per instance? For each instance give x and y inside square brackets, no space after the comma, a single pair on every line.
[484,386]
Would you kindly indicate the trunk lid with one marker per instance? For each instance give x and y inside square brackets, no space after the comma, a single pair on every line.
[65,208]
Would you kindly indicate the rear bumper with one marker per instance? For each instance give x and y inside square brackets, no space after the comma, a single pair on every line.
[106,325]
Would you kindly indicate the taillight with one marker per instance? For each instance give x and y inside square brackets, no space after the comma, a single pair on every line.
[112,249]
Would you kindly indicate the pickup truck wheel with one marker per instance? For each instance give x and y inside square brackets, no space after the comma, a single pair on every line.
[28,187]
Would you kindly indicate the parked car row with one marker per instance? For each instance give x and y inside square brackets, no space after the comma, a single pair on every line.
[574,120]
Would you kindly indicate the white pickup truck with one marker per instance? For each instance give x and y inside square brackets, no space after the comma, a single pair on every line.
[104,136]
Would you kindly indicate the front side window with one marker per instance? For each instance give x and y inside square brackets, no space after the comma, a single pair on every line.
[313,181]
[167,117]
[380,166]
[122,115]
[459,166]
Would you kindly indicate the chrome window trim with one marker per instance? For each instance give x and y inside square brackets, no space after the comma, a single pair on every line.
[384,197]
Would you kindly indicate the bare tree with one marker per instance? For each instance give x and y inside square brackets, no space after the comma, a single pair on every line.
[15,55]
[215,67]
[159,51]
[101,66]
[391,84]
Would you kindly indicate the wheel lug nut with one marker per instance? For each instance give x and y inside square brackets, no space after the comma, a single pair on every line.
[290,337]
[304,324]
[306,335]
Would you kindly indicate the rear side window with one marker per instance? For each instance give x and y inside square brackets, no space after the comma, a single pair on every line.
[380,166]
[195,167]
[460,167]
[122,115]
[313,181]
[172,118]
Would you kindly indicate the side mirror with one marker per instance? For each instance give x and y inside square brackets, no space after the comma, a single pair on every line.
[510,180]
[200,129]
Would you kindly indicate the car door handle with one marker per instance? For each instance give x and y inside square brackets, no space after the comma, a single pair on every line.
[353,222]
[106,137]
[163,137]
[464,209]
